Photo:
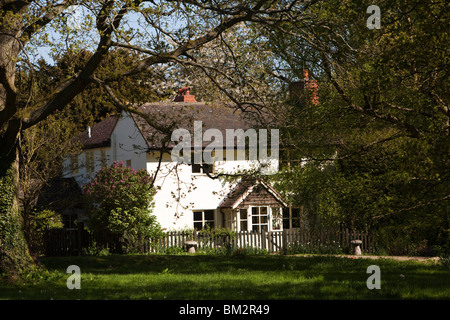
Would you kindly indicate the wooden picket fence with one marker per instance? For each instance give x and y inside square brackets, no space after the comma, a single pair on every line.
[63,242]
[66,242]
[287,241]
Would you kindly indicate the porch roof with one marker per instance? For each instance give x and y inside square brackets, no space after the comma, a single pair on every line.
[246,189]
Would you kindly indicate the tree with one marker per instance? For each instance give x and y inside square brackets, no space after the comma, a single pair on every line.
[168,32]
[382,126]
[42,151]
[119,202]
[93,104]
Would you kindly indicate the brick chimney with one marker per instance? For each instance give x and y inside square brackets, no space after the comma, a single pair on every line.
[296,89]
[184,96]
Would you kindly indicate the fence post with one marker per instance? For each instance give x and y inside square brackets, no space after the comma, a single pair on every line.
[263,239]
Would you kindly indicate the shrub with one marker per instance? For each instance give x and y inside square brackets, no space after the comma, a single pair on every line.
[119,201]
[247,251]
[315,248]
[36,274]
[174,250]
[38,225]
[444,260]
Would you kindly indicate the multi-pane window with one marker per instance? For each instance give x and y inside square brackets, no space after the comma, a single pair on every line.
[291,218]
[295,217]
[203,218]
[260,219]
[243,219]
[201,167]
[70,220]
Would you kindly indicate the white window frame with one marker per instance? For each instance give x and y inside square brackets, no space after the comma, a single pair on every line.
[259,224]
[240,220]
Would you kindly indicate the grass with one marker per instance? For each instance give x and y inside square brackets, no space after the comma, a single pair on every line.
[198,277]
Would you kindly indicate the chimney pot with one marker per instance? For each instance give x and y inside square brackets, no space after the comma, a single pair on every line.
[297,88]
[184,95]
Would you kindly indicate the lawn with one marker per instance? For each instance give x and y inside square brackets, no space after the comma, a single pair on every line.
[199,277]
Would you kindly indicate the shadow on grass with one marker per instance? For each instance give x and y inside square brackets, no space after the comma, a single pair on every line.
[192,264]
[160,277]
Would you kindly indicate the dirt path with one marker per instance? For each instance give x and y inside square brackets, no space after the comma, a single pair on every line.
[400,258]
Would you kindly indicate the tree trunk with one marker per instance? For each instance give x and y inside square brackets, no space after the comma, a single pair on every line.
[14,254]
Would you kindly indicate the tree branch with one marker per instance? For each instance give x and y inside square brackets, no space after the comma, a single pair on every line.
[31,29]
[68,90]
[245,15]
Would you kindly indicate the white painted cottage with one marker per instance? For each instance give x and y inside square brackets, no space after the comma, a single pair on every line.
[188,195]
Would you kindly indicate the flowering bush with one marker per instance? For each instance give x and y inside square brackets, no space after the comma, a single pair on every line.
[119,201]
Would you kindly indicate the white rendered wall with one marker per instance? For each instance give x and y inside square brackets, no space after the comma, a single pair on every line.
[127,143]
[179,191]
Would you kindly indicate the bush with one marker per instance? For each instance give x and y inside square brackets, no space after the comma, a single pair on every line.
[444,260]
[36,274]
[247,251]
[174,250]
[119,201]
[316,248]
[95,250]
[39,223]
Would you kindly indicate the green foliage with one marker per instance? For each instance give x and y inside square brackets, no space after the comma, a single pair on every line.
[316,248]
[144,277]
[36,227]
[445,260]
[43,148]
[119,203]
[47,219]
[248,251]
[377,144]
[14,255]
[93,104]
[216,232]
[174,250]
[95,249]
[37,274]
[7,228]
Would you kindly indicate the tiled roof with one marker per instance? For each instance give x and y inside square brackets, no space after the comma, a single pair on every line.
[100,133]
[167,117]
